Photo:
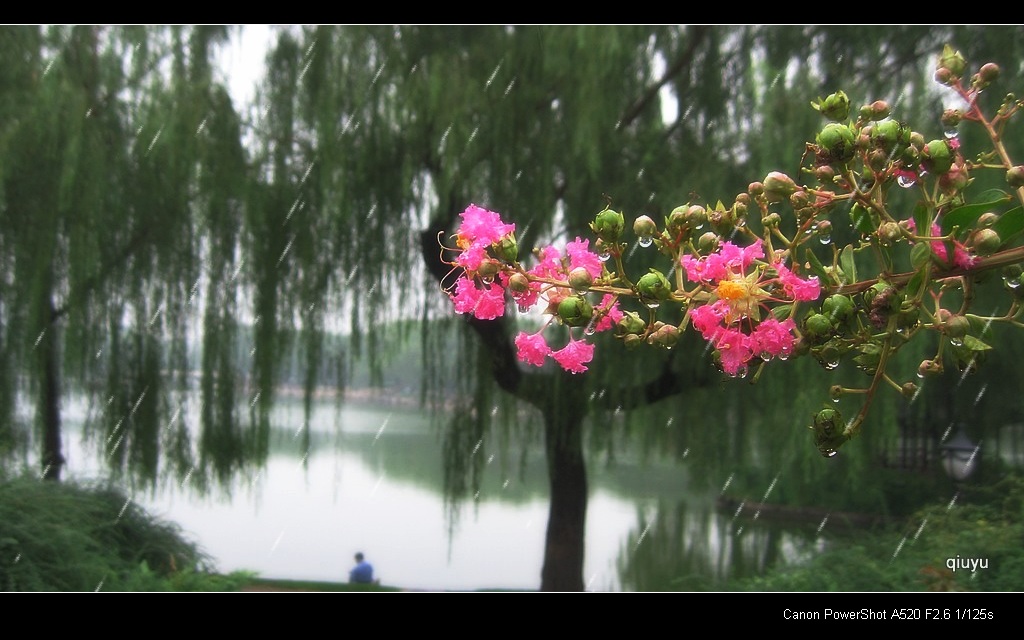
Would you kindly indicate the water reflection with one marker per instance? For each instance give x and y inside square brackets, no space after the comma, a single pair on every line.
[371,481]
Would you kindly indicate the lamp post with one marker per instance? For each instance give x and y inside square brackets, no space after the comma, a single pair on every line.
[960,456]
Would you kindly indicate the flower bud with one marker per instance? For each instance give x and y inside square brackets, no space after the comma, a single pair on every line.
[1015,176]
[632,341]
[988,74]
[580,279]
[644,227]
[518,283]
[708,242]
[987,219]
[879,110]
[985,242]
[889,233]
[755,188]
[664,335]
[575,311]
[956,326]
[696,216]
[836,107]
[929,368]
[837,141]
[836,391]
[824,173]
[771,220]
[909,390]
[953,63]
[488,268]
[937,157]
[675,223]
[608,225]
[778,186]
[951,118]
[653,286]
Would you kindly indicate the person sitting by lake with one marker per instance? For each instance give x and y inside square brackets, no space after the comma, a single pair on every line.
[362,573]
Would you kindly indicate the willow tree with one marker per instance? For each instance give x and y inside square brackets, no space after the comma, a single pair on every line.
[123,180]
[374,139]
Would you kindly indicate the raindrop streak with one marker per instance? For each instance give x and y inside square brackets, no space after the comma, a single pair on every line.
[952,502]
[124,508]
[202,125]
[921,528]
[287,248]
[479,443]
[39,339]
[899,547]
[494,73]
[822,525]
[376,486]
[255,399]
[382,427]
[276,542]
[643,534]
[728,481]
[981,392]
[155,138]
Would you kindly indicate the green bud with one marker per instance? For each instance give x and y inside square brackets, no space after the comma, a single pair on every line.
[675,223]
[837,141]
[909,390]
[631,323]
[828,431]
[696,216]
[937,157]
[985,242]
[836,107]
[987,219]
[817,327]
[644,227]
[956,326]
[608,225]
[778,186]
[507,248]
[708,242]
[575,311]
[1015,176]
[838,308]
[890,135]
[653,286]
[824,173]
[836,391]
[771,220]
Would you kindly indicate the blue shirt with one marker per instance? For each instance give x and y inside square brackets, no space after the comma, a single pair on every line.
[362,572]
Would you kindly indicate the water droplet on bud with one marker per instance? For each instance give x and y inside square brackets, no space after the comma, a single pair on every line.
[905,181]
[604,256]
[646,241]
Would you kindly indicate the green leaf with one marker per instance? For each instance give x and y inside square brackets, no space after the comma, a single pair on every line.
[817,267]
[965,216]
[1010,224]
[861,220]
[922,220]
[972,343]
[920,254]
[848,265]
[916,282]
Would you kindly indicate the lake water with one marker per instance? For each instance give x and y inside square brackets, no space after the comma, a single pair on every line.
[372,483]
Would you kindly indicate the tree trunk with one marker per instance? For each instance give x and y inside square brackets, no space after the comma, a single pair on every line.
[49,401]
[567,516]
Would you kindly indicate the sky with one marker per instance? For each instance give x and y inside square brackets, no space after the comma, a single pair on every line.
[242,60]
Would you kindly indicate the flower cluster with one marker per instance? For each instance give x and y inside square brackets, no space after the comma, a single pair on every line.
[741,286]
[485,243]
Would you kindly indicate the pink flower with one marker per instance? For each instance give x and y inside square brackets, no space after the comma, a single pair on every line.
[773,338]
[482,227]
[961,257]
[486,304]
[532,348]
[734,348]
[613,314]
[574,355]
[796,287]
[580,256]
